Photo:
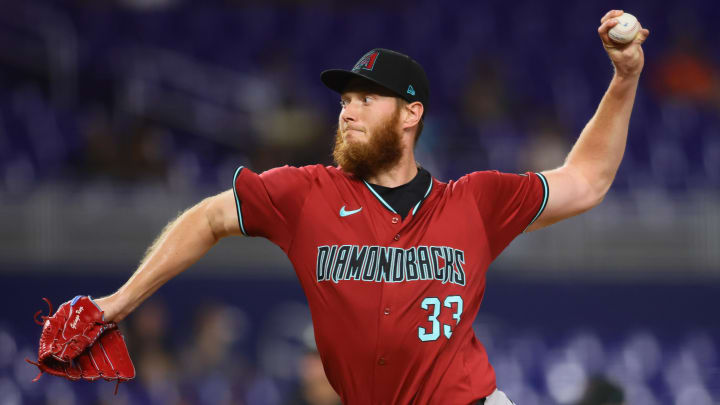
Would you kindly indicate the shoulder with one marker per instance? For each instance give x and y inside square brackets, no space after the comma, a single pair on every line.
[474,179]
[312,171]
[303,174]
[286,172]
[493,178]
[325,175]
[306,178]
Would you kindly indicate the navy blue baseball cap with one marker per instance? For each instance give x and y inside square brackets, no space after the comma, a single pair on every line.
[392,70]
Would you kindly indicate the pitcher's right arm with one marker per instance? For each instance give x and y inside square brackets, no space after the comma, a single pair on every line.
[183,242]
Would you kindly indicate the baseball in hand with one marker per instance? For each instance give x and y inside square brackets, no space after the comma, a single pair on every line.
[625,30]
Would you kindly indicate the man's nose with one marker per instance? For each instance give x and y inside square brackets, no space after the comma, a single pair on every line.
[348,113]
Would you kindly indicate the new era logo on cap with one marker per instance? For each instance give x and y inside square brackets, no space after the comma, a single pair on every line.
[410,90]
[367,62]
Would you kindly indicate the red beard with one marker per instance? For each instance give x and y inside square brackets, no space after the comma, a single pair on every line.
[365,159]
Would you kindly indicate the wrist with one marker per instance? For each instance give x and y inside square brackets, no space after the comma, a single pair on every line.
[623,84]
[111,307]
[626,76]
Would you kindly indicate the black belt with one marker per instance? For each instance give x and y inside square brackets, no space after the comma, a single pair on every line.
[480,402]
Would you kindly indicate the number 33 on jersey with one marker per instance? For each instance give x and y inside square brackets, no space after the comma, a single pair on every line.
[392,299]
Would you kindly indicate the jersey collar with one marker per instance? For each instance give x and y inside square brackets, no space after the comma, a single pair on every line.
[389,207]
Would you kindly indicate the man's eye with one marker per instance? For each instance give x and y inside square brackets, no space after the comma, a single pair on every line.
[367,99]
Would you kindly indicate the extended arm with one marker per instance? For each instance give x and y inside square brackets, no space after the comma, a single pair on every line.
[183,242]
[590,168]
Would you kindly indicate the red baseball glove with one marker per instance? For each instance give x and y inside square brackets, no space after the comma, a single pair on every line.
[76,343]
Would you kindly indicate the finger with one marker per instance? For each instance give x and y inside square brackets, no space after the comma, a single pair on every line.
[605,28]
[641,36]
[611,14]
[607,16]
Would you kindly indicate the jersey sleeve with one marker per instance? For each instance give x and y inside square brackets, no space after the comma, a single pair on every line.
[508,203]
[268,204]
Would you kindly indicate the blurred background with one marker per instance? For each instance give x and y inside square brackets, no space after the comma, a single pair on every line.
[117,115]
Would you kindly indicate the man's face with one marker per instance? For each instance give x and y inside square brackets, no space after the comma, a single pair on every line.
[368,138]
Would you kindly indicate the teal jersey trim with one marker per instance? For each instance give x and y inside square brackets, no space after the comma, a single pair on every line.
[427,193]
[417,206]
[380,198]
[237,201]
[546,192]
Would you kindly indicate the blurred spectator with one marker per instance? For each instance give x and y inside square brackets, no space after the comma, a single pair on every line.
[212,369]
[685,71]
[152,351]
[600,391]
[137,152]
[486,97]
[101,150]
[291,134]
[218,329]
[314,387]
[546,146]
[491,133]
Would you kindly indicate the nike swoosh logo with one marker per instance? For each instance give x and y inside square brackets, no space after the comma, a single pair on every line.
[344,213]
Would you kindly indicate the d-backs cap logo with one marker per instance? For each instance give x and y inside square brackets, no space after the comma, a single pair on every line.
[367,62]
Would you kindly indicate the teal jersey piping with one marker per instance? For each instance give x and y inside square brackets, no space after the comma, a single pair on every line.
[546,192]
[417,206]
[237,201]
[380,198]
[427,193]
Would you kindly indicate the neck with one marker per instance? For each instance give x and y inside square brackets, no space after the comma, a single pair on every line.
[404,171]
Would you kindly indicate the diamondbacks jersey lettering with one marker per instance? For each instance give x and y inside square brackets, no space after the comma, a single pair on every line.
[391,264]
[392,299]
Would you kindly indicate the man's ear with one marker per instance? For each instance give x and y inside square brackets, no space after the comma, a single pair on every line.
[413,114]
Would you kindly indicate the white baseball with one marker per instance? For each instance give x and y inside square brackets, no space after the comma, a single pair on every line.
[625,30]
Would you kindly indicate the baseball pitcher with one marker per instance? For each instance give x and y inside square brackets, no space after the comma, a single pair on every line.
[393,261]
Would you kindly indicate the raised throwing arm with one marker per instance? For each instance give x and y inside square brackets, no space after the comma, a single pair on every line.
[590,168]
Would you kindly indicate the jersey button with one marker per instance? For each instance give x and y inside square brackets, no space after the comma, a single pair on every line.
[381,361]
[395,220]
[387,311]
[397,237]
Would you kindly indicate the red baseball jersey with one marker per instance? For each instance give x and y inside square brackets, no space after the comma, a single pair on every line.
[392,300]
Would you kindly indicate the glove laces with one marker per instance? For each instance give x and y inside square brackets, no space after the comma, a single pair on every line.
[44,317]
